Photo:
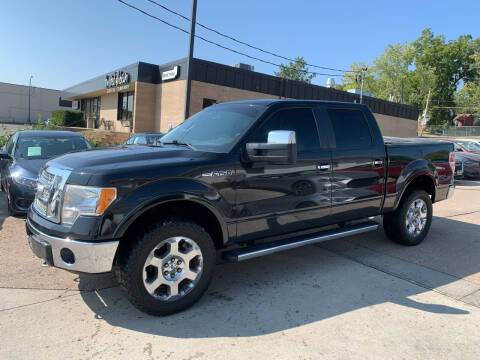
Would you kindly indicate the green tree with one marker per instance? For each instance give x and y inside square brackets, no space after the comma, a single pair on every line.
[392,69]
[296,70]
[451,62]
[352,80]
[467,98]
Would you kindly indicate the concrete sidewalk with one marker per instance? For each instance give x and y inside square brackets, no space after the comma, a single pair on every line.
[361,297]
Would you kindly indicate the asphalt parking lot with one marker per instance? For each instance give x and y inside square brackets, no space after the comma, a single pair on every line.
[361,297]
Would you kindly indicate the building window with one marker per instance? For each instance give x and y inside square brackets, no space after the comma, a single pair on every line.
[125,106]
[208,102]
[90,107]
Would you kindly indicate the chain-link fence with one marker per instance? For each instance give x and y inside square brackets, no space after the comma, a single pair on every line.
[451,131]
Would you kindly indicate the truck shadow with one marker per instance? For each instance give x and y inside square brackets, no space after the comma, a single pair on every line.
[302,286]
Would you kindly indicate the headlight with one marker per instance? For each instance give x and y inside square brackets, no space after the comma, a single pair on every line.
[29,182]
[85,200]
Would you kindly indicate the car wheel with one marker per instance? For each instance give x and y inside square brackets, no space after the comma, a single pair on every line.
[410,223]
[168,267]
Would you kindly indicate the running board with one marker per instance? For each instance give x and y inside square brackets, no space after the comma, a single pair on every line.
[254,251]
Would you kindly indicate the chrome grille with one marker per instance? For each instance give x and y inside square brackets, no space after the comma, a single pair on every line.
[49,194]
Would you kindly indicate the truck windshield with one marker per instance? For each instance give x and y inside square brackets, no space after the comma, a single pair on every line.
[216,128]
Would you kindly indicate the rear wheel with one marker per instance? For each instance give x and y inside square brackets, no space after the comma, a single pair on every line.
[410,223]
[168,268]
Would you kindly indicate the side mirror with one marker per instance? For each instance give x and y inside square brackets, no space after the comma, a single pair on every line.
[458,149]
[5,155]
[281,148]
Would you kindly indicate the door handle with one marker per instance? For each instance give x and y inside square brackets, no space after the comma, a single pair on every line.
[377,163]
[323,167]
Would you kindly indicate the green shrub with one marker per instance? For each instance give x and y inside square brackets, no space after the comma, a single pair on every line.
[67,118]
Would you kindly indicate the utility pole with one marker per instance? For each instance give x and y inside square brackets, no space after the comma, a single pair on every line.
[425,112]
[190,58]
[29,94]
[364,70]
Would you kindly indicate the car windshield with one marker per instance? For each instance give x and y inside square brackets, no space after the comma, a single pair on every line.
[143,139]
[216,128]
[46,147]
[469,145]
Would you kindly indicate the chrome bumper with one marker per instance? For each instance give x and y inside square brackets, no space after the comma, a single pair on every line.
[88,257]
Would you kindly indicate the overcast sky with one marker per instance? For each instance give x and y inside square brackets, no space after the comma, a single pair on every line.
[64,42]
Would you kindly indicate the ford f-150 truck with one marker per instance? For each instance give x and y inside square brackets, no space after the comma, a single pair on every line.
[249,178]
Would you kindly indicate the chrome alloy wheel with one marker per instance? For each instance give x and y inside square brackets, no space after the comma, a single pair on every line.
[173,268]
[416,217]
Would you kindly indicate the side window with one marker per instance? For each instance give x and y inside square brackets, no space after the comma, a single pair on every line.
[351,128]
[299,120]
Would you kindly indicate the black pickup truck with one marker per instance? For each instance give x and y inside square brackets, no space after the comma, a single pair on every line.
[249,178]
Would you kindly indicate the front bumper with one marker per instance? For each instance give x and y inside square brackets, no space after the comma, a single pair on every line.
[21,196]
[78,256]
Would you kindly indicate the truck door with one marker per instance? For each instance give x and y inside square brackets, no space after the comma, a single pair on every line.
[277,199]
[358,160]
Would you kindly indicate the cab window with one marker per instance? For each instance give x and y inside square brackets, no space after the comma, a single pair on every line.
[300,120]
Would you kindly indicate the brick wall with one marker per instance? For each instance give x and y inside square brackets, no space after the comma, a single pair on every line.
[144,107]
[396,126]
[201,90]
[170,107]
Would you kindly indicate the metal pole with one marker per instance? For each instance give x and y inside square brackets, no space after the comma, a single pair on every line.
[190,58]
[361,87]
[29,87]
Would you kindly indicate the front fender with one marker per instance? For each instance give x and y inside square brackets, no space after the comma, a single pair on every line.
[137,202]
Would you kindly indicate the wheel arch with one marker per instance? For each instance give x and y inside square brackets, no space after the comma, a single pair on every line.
[419,181]
[173,206]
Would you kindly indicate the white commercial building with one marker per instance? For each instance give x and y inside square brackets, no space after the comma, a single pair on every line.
[14,103]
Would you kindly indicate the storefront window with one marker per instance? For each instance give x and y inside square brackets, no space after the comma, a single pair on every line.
[90,107]
[125,106]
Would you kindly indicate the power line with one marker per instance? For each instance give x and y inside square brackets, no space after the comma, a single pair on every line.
[217,44]
[242,42]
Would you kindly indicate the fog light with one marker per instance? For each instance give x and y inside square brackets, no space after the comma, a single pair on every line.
[67,256]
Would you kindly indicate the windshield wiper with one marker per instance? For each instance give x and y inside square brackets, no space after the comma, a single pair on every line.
[176,142]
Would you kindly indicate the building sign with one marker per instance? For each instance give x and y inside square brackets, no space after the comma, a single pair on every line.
[75,105]
[171,74]
[117,78]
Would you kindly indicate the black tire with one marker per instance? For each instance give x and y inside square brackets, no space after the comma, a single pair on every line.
[394,224]
[130,272]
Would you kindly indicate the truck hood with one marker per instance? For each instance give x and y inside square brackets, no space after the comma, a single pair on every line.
[106,165]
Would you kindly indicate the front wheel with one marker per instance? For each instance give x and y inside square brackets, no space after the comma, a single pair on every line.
[168,268]
[410,223]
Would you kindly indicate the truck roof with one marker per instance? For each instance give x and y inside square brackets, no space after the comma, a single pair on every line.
[268,102]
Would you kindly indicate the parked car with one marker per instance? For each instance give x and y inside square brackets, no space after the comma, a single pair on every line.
[458,168]
[471,164]
[144,139]
[463,145]
[249,177]
[468,152]
[23,156]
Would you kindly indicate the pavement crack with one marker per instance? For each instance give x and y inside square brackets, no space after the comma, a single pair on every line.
[38,302]
[411,281]
[466,213]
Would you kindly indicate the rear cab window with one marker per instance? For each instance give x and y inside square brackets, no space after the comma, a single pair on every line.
[351,129]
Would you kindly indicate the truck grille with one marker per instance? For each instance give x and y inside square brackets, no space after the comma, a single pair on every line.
[49,194]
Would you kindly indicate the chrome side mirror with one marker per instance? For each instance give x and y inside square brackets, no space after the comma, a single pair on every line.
[280,148]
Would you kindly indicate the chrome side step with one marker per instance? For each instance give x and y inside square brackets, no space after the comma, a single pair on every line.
[254,251]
